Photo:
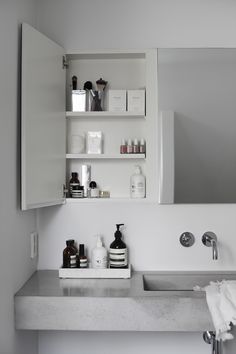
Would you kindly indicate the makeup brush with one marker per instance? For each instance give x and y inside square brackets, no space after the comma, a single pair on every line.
[101,84]
[74,82]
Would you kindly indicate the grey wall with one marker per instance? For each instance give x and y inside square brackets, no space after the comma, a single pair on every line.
[100,24]
[15,263]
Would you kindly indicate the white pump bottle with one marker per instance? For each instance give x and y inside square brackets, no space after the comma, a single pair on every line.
[99,255]
[137,184]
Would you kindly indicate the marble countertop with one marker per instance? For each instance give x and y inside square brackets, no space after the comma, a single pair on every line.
[46,302]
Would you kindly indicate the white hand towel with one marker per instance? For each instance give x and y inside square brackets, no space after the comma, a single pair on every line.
[221,300]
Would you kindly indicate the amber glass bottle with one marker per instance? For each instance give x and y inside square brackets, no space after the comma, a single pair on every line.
[69,255]
[82,259]
[74,184]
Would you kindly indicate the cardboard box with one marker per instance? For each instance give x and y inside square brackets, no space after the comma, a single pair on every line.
[117,100]
[136,101]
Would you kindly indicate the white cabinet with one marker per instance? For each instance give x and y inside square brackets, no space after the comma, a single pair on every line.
[48,123]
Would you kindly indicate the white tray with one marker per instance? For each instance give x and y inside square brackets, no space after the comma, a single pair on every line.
[95,273]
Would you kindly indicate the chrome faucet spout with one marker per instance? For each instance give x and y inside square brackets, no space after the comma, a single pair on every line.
[214,249]
[209,239]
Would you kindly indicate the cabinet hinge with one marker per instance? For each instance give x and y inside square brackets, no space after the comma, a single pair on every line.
[65,64]
[65,191]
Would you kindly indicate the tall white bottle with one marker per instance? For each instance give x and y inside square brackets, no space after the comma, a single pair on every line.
[99,255]
[137,184]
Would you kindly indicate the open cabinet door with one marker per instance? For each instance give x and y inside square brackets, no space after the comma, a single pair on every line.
[43,123]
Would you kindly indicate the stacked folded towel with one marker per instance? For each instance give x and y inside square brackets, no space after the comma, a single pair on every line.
[221,300]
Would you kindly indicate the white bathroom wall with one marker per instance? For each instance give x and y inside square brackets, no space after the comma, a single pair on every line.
[126,343]
[15,263]
[151,230]
[82,25]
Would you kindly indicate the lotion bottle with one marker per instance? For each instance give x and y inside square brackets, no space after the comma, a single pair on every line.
[99,255]
[137,184]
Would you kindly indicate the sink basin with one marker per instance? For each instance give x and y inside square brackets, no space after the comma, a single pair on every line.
[182,282]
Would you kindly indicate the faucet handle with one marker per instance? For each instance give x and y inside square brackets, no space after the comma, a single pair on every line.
[209,239]
[187,239]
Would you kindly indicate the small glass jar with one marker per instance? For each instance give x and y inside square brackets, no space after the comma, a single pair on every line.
[136,149]
[82,259]
[142,147]
[94,191]
[130,146]
[123,147]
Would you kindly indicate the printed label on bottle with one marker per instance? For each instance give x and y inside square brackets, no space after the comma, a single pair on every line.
[138,189]
[73,261]
[73,185]
[118,257]
[83,263]
[100,262]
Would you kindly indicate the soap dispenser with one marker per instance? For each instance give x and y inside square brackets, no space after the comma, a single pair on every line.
[118,255]
[99,255]
[137,184]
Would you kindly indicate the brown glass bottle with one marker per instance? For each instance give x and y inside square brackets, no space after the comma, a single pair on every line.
[74,184]
[82,261]
[69,255]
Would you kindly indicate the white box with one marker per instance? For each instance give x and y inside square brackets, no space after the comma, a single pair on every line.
[94,143]
[107,273]
[136,101]
[117,100]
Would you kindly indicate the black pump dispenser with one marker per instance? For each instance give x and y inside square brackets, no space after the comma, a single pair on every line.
[118,251]
[118,234]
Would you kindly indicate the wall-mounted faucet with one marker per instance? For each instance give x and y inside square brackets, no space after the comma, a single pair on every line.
[209,239]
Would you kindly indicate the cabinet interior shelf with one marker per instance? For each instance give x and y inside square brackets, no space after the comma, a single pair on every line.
[110,114]
[107,200]
[106,156]
[123,69]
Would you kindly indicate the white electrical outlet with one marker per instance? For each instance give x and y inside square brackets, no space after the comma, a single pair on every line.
[33,245]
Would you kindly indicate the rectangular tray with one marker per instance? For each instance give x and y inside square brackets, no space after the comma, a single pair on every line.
[87,273]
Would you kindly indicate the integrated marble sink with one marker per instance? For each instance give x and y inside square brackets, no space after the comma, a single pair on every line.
[181,282]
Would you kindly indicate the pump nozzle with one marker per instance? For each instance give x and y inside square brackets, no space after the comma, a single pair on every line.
[118,233]
[118,226]
[99,241]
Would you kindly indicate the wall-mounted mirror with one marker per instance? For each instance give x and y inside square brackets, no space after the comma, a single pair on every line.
[197,87]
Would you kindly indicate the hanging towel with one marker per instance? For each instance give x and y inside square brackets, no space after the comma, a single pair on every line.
[221,300]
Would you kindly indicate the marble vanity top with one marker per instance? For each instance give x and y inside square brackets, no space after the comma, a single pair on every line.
[46,302]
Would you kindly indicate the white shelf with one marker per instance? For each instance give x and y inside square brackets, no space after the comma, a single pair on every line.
[107,200]
[106,156]
[98,114]
[88,273]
